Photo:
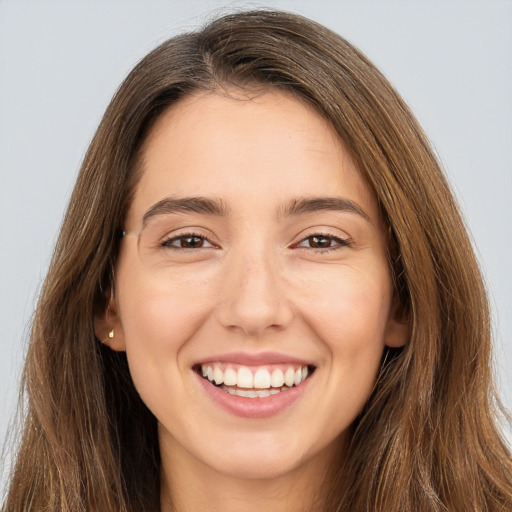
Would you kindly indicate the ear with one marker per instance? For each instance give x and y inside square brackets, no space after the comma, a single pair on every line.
[398,329]
[108,327]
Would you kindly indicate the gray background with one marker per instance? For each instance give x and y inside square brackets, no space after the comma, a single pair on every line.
[60,63]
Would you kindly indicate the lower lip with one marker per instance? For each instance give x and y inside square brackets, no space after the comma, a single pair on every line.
[244,407]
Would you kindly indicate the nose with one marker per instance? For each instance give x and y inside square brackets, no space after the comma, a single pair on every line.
[254,296]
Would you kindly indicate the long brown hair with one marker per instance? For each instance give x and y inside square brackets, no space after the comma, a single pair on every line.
[427,439]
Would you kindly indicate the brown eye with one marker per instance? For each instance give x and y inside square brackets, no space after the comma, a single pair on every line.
[320,242]
[323,242]
[191,242]
[187,241]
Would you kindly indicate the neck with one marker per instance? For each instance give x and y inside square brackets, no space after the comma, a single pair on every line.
[188,485]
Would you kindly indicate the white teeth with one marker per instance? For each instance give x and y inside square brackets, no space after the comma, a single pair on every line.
[277,379]
[230,377]
[262,379]
[218,375]
[231,391]
[289,377]
[250,393]
[244,378]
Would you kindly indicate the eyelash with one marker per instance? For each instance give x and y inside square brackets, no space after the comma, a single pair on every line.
[340,242]
[166,244]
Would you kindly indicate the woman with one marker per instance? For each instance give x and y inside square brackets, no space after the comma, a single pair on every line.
[262,295]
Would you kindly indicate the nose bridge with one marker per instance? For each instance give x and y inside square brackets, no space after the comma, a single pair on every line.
[254,296]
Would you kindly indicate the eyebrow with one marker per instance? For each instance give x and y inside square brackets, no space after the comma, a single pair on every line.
[186,205]
[316,204]
[217,207]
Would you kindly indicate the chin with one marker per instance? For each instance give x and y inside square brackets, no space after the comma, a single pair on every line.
[257,466]
[265,455]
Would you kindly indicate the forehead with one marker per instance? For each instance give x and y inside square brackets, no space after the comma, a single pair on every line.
[250,151]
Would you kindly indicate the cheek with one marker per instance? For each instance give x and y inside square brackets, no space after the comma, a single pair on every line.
[349,308]
[353,334]
[158,317]
[348,316]
[155,319]
[160,311]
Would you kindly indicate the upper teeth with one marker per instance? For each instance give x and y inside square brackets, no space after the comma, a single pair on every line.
[261,377]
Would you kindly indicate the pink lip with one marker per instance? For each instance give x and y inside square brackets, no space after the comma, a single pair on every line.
[255,408]
[260,359]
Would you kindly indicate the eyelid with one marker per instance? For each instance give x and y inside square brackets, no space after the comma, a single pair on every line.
[165,241]
[342,241]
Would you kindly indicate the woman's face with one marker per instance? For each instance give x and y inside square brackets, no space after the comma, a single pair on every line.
[255,255]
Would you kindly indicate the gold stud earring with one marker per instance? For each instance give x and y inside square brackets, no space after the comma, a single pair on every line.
[111,334]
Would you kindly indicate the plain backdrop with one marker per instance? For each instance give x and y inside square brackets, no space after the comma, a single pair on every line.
[60,63]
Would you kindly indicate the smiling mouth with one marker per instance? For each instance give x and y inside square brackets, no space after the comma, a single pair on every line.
[254,381]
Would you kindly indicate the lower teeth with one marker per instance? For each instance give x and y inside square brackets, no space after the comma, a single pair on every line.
[254,393]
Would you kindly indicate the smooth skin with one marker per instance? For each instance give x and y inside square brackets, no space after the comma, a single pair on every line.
[256,277]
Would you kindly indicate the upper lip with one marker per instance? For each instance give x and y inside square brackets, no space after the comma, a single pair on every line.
[254,359]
